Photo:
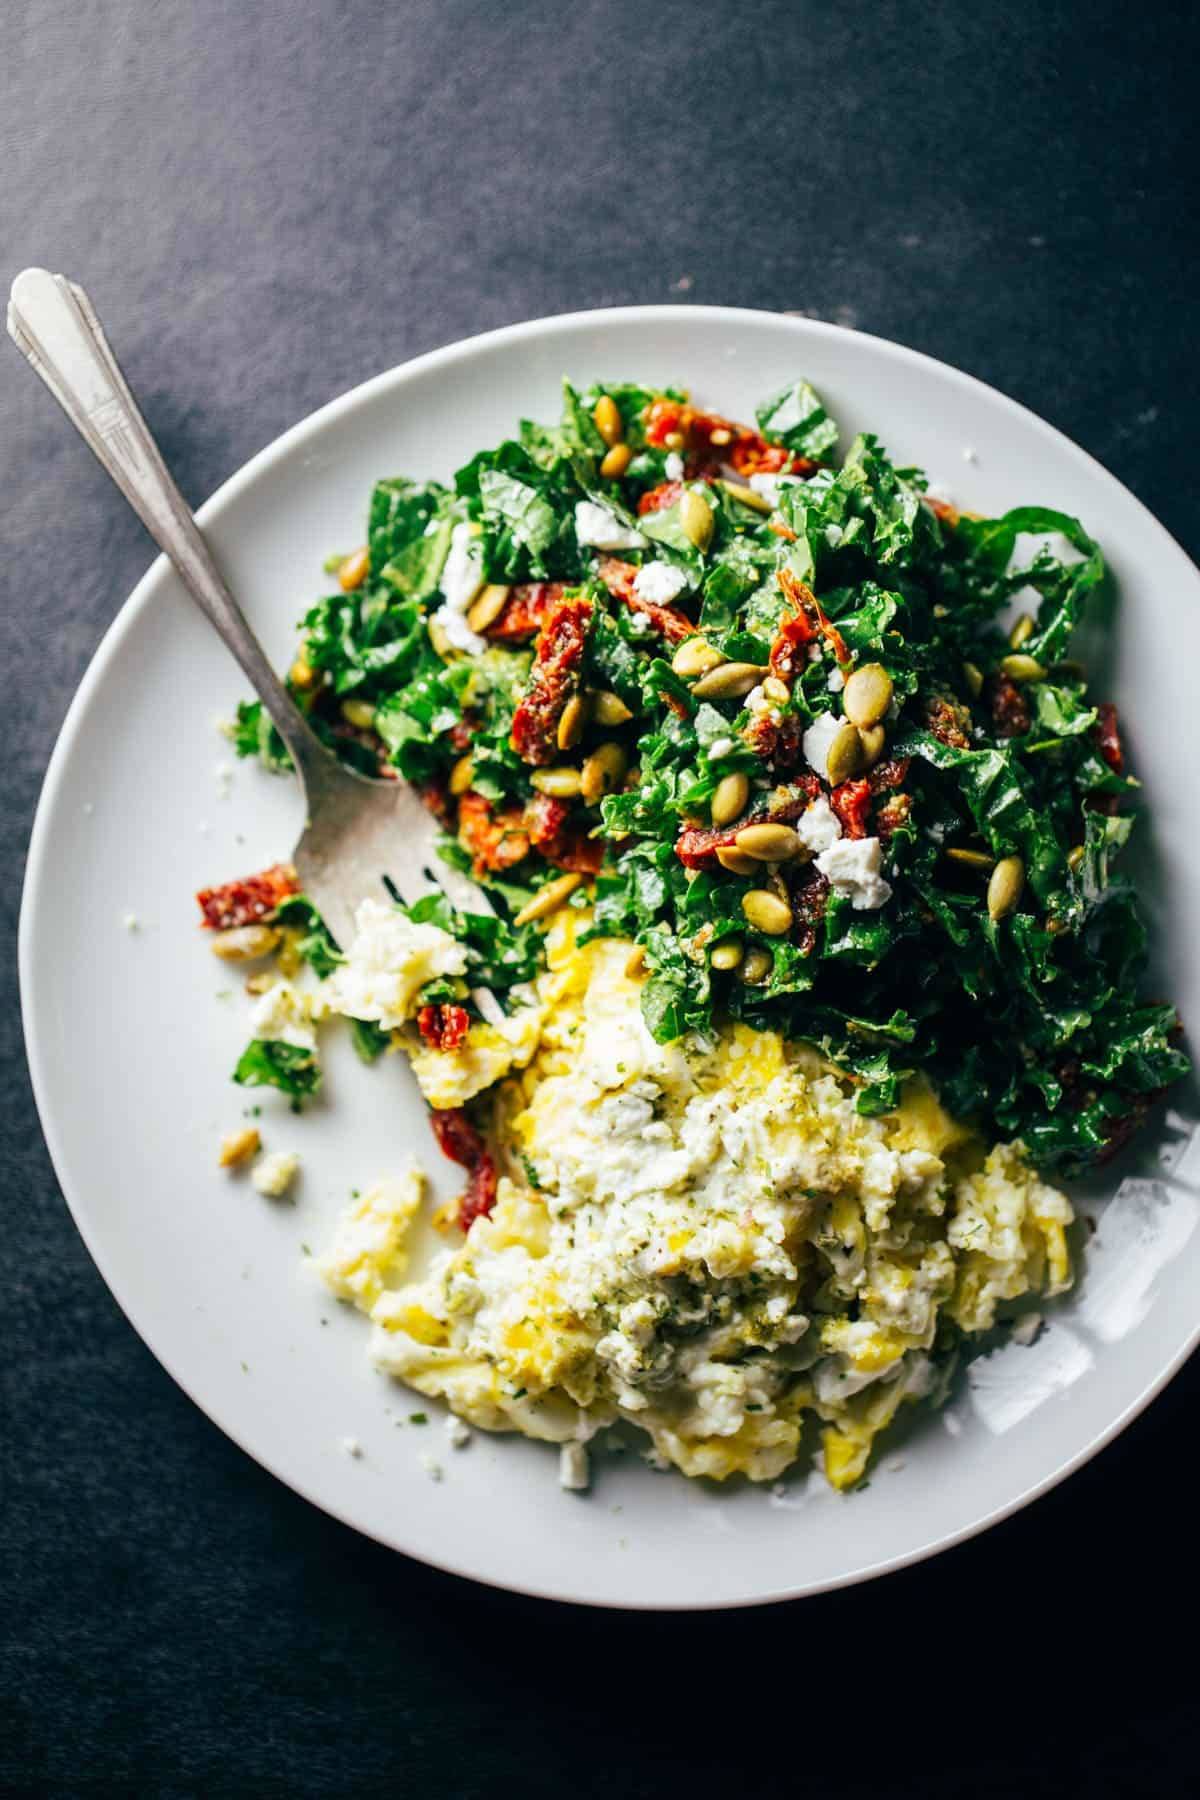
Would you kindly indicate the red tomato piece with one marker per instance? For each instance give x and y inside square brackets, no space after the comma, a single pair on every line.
[444,1025]
[248,901]
[1108,737]
[554,677]
[458,1139]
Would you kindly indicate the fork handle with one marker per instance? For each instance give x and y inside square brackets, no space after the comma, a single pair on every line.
[53,323]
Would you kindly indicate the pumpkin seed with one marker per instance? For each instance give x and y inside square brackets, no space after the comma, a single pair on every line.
[353,571]
[238,1146]
[462,775]
[867,695]
[729,799]
[602,772]
[736,861]
[1022,668]
[971,859]
[768,843]
[973,679]
[695,656]
[696,518]
[767,912]
[242,943]
[731,681]
[561,782]
[844,757]
[874,742]
[756,966]
[439,640]
[1005,887]
[606,416]
[727,955]
[488,607]
[775,690]
[635,963]
[302,674]
[609,709]
[674,440]
[616,462]
[359,713]
[746,496]
[720,435]
[548,899]
[1075,856]
[1021,632]
[570,725]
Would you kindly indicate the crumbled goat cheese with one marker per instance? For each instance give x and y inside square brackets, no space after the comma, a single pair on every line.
[851,867]
[390,960]
[462,575]
[431,1466]
[274,1174]
[659,582]
[573,1470]
[602,530]
[772,486]
[457,1431]
[673,466]
[819,826]
[352,1447]
[836,681]
[720,746]
[817,740]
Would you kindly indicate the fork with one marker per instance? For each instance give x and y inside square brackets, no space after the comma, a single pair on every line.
[359,834]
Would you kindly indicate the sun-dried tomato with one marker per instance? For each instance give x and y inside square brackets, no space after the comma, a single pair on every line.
[435,794]
[496,839]
[949,722]
[462,732]
[777,741]
[566,845]
[810,897]
[945,510]
[805,621]
[657,499]
[248,901]
[443,1025]
[618,577]
[458,1139]
[1108,737]
[1008,705]
[697,845]
[851,802]
[710,440]
[891,773]
[554,677]
[892,816]
[525,611]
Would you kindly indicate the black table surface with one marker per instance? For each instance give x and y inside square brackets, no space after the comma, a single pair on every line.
[269,202]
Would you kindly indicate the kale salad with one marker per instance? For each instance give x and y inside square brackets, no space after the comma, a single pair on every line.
[764,709]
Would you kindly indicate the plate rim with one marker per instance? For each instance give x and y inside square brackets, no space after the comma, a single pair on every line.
[279,450]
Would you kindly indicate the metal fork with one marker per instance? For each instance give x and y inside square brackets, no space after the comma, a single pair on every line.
[358,831]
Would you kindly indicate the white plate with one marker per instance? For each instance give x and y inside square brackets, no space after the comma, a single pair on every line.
[131,1044]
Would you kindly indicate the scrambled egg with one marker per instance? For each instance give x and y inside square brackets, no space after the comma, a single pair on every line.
[706,1240]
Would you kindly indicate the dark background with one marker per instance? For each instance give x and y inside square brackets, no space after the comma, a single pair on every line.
[270,202]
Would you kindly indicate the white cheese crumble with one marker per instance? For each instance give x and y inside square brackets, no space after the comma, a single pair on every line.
[573,1470]
[673,466]
[352,1447]
[771,486]
[819,826]
[817,740]
[274,1173]
[461,579]
[597,527]
[390,961]
[659,582]
[431,1466]
[851,867]
[458,1431]
[836,681]
[720,746]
